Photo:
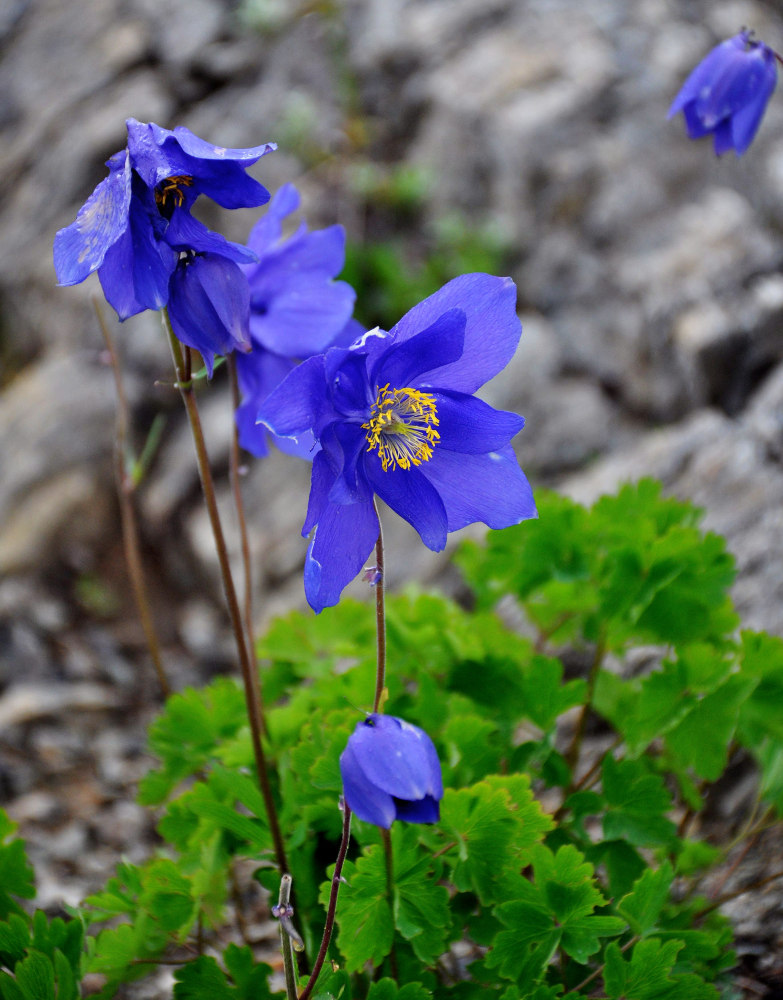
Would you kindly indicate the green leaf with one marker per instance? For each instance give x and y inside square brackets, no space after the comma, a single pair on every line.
[421,906]
[387,989]
[202,979]
[35,977]
[16,874]
[493,824]
[364,916]
[648,976]
[637,800]
[642,906]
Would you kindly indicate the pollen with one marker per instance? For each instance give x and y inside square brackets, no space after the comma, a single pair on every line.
[169,194]
[402,427]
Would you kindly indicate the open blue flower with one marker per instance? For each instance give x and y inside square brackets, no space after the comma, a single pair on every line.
[390,770]
[395,416]
[136,222]
[727,93]
[297,310]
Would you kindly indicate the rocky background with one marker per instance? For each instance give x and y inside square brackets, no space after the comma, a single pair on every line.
[649,285]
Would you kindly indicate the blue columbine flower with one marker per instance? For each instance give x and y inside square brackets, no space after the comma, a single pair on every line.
[394,415]
[390,770]
[297,310]
[727,93]
[209,305]
[136,222]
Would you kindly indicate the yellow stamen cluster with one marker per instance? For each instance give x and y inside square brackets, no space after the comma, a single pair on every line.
[172,188]
[402,426]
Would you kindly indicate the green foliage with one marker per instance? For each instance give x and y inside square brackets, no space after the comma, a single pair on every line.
[557,870]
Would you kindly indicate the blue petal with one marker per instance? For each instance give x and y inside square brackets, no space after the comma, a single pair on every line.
[369,803]
[403,363]
[135,271]
[351,485]
[325,472]
[299,403]
[492,329]
[489,488]
[269,228]
[702,78]
[413,497]
[426,810]
[219,172]
[80,248]
[397,757]
[343,540]
[468,424]
[745,123]
[209,306]
[259,373]
[186,233]
[296,316]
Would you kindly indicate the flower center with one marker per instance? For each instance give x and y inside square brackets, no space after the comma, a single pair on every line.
[401,427]
[169,194]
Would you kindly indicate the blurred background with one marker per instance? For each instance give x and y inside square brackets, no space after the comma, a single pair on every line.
[521,137]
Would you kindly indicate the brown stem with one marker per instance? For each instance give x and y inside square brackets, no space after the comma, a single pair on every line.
[738,892]
[331,908]
[380,621]
[126,487]
[236,486]
[208,488]
[572,754]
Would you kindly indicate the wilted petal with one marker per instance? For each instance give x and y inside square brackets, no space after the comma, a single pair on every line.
[80,248]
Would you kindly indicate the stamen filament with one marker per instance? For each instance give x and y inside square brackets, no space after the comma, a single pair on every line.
[402,426]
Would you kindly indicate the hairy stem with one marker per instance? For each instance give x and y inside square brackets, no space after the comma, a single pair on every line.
[332,907]
[182,367]
[380,621]
[236,486]
[284,911]
[126,487]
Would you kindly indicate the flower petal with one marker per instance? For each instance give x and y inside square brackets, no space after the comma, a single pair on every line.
[209,306]
[344,538]
[492,328]
[80,248]
[299,403]
[293,315]
[403,363]
[397,757]
[413,497]
[368,802]
[269,228]
[468,424]
[426,810]
[490,488]
[186,233]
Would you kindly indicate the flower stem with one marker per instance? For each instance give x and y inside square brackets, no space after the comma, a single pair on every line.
[332,907]
[380,622]
[208,487]
[236,486]
[284,912]
[126,487]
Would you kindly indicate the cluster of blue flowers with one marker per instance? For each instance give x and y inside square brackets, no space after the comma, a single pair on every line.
[387,414]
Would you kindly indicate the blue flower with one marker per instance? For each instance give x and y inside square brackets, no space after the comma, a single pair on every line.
[136,222]
[394,415]
[209,305]
[727,93]
[297,310]
[390,770]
